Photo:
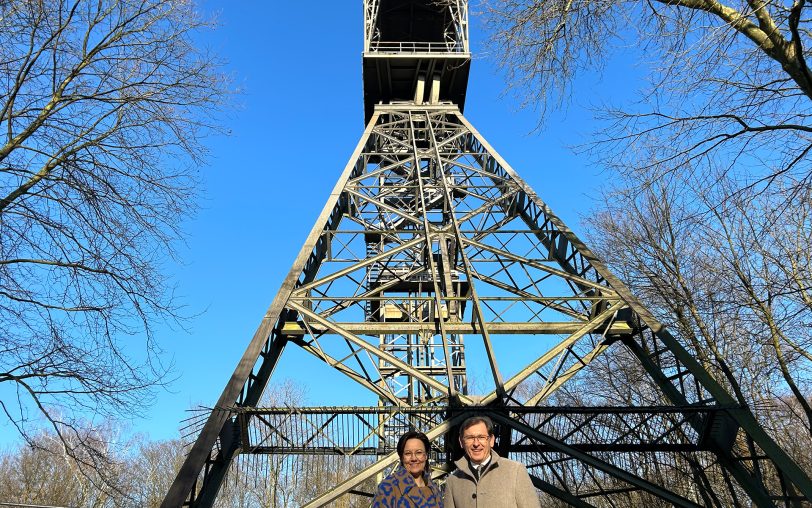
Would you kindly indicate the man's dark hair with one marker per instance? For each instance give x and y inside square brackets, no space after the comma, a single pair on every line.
[473,420]
[413,434]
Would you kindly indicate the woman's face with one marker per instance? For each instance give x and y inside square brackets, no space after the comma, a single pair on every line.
[414,457]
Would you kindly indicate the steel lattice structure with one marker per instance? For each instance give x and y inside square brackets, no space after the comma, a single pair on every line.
[431,250]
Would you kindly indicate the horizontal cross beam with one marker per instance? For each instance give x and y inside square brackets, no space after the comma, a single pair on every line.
[494,328]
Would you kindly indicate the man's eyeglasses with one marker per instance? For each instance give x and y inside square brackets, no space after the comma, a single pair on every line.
[420,454]
[471,439]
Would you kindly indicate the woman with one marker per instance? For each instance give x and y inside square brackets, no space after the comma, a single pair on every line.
[410,485]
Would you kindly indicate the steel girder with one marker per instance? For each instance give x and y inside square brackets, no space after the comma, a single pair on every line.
[431,247]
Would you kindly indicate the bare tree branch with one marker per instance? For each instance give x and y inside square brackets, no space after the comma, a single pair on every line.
[103,107]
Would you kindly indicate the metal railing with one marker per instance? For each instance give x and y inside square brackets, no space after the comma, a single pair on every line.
[416,47]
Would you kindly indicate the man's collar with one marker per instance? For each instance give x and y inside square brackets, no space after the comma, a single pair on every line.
[466,465]
[482,464]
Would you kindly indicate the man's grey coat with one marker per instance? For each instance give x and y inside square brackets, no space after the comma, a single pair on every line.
[504,483]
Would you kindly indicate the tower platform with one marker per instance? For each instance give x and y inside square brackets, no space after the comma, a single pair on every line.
[415,51]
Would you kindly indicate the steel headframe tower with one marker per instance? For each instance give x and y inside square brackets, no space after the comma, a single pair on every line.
[430,236]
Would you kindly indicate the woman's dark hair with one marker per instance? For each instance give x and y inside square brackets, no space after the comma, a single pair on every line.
[413,434]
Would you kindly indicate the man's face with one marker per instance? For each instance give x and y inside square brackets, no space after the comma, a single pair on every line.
[476,442]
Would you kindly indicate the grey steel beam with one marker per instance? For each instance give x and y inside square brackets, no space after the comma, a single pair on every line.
[578,279]
[553,352]
[355,376]
[469,272]
[374,351]
[529,297]
[540,448]
[753,486]
[554,383]
[601,465]
[517,409]
[181,488]
[563,495]
[427,231]
[494,327]
[301,291]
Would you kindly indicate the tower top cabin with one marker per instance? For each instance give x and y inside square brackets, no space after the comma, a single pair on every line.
[415,51]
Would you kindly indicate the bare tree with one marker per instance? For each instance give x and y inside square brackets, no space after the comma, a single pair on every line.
[103,107]
[41,472]
[733,280]
[137,472]
[729,86]
[150,467]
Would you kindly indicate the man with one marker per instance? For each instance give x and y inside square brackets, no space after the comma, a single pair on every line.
[483,478]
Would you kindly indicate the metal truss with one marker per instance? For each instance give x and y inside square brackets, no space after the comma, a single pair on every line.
[431,248]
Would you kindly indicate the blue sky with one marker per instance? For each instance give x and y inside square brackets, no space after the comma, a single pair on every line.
[299,117]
